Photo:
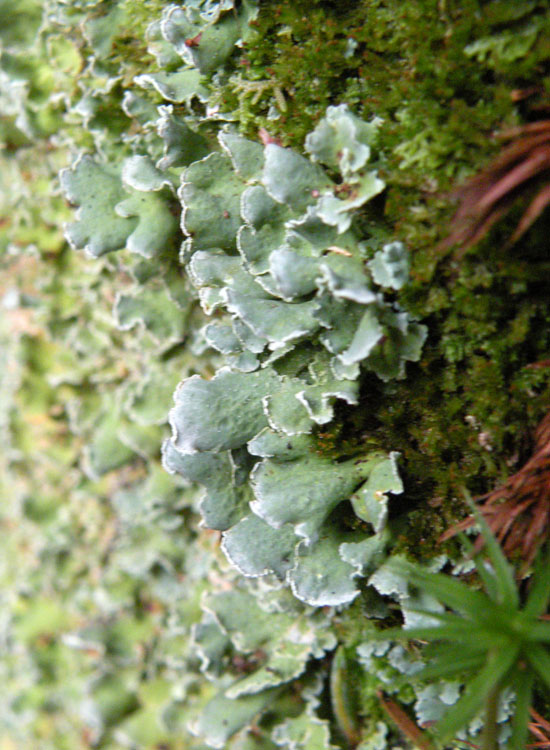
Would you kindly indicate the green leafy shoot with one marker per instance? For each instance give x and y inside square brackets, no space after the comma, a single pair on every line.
[487,639]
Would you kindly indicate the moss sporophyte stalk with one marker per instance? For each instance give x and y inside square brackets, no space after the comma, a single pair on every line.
[244,381]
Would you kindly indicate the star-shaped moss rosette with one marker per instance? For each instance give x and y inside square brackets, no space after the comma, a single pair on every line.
[490,641]
[298,310]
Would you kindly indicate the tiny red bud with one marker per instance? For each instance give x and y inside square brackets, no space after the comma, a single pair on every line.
[194,41]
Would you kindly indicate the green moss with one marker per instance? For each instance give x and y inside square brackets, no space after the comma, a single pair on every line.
[379,58]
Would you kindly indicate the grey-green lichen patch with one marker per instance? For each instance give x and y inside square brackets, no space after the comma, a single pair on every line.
[210,196]
[390,267]
[304,732]
[286,637]
[151,307]
[372,504]
[178,86]
[182,144]
[320,575]
[97,190]
[222,717]
[271,199]
[255,548]
[303,492]
[222,413]
[227,496]
[292,179]
[140,197]
[156,227]
[250,291]
[205,36]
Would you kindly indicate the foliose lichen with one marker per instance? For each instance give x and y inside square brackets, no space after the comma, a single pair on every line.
[306,281]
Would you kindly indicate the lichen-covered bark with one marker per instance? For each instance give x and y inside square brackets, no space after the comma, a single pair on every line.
[333,445]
